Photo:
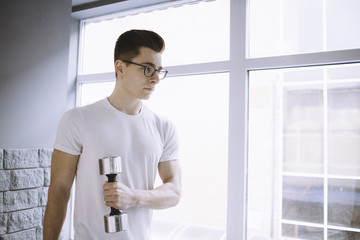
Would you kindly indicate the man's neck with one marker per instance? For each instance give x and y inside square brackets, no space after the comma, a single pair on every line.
[129,107]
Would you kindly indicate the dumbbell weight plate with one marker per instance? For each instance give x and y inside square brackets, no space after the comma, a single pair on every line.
[110,165]
[116,223]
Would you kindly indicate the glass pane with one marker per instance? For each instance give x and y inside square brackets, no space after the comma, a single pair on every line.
[344,202]
[264,155]
[342,21]
[343,235]
[189,33]
[286,145]
[201,117]
[92,92]
[344,128]
[281,27]
[303,199]
[202,123]
[302,232]
[303,128]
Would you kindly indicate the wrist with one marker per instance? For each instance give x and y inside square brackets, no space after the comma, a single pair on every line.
[137,198]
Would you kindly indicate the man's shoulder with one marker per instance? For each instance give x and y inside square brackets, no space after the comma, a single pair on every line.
[153,114]
[78,114]
[89,108]
[160,119]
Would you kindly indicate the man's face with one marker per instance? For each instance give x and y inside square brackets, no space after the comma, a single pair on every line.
[132,79]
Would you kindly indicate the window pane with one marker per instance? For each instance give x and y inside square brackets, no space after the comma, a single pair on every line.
[281,27]
[344,128]
[198,106]
[342,235]
[344,202]
[303,128]
[92,92]
[303,199]
[342,24]
[189,31]
[302,232]
[264,155]
[303,134]
[201,118]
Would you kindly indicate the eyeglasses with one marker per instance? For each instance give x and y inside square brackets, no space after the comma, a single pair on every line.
[149,71]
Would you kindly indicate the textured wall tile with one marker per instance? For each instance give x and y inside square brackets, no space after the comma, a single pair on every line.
[23,199]
[39,233]
[3,223]
[1,202]
[43,196]
[21,158]
[26,178]
[1,158]
[28,235]
[45,157]
[24,219]
[47,172]
[4,180]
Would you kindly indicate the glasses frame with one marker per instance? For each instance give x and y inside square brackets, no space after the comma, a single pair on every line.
[159,71]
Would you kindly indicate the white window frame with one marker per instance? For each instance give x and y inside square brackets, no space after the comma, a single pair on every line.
[238,66]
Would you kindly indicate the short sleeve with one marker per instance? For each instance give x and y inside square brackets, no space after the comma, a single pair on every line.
[171,143]
[68,138]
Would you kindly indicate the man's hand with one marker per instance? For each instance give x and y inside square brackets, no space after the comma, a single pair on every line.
[119,196]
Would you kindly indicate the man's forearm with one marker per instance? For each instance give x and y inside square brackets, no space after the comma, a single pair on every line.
[55,214]
[120,196]
[165,196]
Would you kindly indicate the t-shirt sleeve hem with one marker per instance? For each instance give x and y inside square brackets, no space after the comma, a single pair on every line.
[169,158]
[66,150]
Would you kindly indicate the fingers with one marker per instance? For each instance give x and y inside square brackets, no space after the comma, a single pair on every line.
[115,194]
[108,186]
[114,185]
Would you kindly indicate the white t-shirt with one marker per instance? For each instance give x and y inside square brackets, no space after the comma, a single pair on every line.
[142,141]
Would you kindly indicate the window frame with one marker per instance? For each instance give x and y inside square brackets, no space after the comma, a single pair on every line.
[239,67]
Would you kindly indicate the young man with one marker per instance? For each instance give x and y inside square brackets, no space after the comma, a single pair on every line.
[119,125]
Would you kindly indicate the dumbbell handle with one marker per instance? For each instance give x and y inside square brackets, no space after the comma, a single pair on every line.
[112,178]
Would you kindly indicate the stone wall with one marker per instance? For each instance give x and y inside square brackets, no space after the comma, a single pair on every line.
[24,183]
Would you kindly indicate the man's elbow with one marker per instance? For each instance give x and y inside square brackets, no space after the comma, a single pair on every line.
[59,192]
[177,195]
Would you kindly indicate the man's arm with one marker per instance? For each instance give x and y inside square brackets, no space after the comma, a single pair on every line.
[63,170]
[119,196]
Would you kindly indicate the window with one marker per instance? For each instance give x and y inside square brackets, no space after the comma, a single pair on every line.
[184,42]
[291,70]
[304,140]
[194,95]
[303,102]
[279,27]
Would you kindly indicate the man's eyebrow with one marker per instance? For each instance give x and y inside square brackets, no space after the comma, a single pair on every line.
[151,64]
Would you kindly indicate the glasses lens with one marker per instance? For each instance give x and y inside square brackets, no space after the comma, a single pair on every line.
[149,71]
[162,73]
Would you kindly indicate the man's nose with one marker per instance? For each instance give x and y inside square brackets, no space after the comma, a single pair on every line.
[155,79]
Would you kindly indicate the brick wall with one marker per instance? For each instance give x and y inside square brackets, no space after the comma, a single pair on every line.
[24,182]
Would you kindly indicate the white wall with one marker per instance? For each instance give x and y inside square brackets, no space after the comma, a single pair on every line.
[34,56]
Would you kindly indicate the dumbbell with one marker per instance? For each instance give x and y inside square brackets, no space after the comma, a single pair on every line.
[116,221]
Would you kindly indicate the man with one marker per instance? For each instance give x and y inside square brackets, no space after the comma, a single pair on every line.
[119,125]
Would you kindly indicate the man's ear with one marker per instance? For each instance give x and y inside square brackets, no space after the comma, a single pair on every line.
[118,67]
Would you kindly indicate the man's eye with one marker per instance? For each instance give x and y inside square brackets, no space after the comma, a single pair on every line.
[149,69]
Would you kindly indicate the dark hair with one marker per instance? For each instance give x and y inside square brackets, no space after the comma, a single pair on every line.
[128,44]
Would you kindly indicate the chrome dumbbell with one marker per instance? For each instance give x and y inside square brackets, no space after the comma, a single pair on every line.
[116,221]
